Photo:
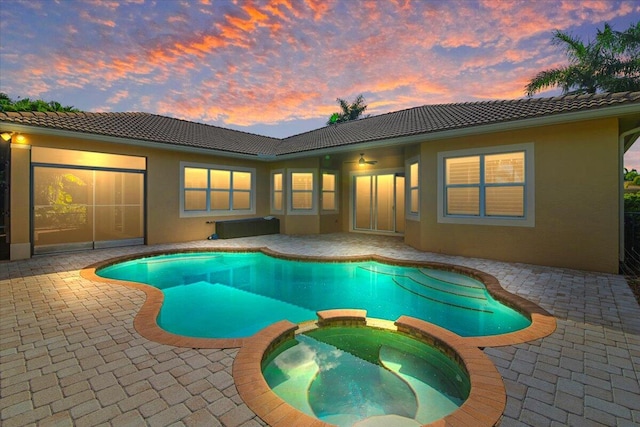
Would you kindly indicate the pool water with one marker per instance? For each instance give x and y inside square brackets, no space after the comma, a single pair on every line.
[234,295]
[363,376]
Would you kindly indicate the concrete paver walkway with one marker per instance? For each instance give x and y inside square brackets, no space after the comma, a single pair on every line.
[69,354]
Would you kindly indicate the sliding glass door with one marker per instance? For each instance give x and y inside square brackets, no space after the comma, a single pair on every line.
[86,207]
[78,208]
[378,203]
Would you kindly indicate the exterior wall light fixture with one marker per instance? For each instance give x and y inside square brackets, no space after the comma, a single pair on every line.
[13,137]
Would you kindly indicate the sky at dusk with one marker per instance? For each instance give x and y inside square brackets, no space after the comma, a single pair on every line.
[276,67]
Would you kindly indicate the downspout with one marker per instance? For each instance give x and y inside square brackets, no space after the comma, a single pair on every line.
[622,149]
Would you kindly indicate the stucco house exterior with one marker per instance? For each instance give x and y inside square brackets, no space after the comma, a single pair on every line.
[534,180]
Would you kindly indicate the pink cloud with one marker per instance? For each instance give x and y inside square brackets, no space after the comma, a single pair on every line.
[240,102]
[178,19]
[118,96]
[319,7]
[106,22]
[278,60]
[107,4]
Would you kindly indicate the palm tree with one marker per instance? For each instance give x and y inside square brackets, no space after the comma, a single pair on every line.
[610,63]
[349,111]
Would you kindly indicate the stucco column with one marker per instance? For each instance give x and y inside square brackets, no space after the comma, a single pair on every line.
[20,244]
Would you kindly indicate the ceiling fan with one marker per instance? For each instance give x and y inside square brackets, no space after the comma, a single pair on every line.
[362,161]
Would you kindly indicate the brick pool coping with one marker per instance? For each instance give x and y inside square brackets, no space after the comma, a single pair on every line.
[484,406]
[487,398]
[542,323]
[57,326]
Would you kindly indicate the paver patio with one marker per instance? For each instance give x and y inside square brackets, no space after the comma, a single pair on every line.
[69,354]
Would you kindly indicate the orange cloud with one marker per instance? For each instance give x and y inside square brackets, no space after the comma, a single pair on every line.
[319,7]
[248,62]
[178,19]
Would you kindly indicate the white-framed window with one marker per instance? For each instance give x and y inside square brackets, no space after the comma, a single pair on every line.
[277,192]
[216,190]
[303,191]
[412,170]
[329,200]
[492,186]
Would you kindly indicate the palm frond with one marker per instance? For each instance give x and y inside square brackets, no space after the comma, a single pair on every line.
[546,79]
[573,47]
[609,63]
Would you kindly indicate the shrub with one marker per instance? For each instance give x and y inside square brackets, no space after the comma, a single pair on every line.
[632,202]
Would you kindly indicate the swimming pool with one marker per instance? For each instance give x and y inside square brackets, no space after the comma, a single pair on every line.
[236,294]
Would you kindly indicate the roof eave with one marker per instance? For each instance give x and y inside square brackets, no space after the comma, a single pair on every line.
[38,130]
[532,122]
[553,119]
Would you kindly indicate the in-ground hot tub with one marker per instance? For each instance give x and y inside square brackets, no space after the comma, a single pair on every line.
[347,372]
[354,376]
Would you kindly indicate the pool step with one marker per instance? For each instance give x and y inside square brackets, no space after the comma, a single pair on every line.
[387,421]
[446,287]
[410,285]
[181,257]
[432,404]
[437,282]
[453,278]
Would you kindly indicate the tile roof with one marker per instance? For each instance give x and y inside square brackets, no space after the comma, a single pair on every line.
[148,127]
[428,119]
